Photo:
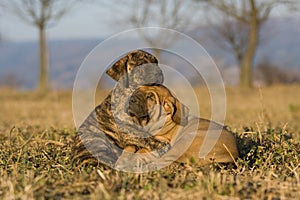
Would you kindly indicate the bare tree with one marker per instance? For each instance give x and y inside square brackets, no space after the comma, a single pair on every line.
[172,14]
[230,35]
[250,14]
[41,14]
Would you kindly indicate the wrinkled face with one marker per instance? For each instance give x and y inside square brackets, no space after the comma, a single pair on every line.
[138,109]
[152,102]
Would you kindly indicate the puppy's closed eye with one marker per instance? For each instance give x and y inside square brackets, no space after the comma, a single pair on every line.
[150,97]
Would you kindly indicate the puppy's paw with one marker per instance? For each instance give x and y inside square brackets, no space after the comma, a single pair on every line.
[160,148]
[124,162]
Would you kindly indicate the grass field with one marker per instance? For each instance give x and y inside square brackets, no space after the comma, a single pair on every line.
[36,134]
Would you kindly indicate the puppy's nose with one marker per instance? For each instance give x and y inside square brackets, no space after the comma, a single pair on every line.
[132,100]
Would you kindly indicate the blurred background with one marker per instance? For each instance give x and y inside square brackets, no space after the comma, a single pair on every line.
[253,43]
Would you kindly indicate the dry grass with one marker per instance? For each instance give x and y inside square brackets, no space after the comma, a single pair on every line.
[35,148]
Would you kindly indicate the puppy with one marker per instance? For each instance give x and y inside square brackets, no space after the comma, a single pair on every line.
[160,113]
[108,129]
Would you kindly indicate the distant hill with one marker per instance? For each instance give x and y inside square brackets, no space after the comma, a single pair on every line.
[19,60]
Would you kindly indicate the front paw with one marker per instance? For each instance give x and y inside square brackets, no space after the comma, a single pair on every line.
[135,162]
[159,148]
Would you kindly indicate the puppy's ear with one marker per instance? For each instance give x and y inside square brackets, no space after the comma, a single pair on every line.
[178,111]
[119,71]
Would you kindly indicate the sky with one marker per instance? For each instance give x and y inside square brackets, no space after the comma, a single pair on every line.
[84,21]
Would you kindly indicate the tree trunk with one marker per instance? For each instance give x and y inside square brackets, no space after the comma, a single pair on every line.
[44,60]
[246,71]
[247,62]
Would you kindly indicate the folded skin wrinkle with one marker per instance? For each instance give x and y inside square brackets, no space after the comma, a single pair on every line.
[179,125]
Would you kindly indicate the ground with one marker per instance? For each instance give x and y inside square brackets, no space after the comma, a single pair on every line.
[36,133]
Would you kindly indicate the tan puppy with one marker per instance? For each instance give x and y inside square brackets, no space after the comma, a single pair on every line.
[160,113]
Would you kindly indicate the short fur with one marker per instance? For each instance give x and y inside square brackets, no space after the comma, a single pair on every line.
[108,129]
[145,112]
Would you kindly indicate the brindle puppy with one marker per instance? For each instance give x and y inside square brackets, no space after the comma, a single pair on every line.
[108,129]
[160,113]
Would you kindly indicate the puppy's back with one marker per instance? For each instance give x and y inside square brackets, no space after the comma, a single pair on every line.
[224,150]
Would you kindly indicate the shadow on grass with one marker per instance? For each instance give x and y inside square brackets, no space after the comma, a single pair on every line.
[272,147]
